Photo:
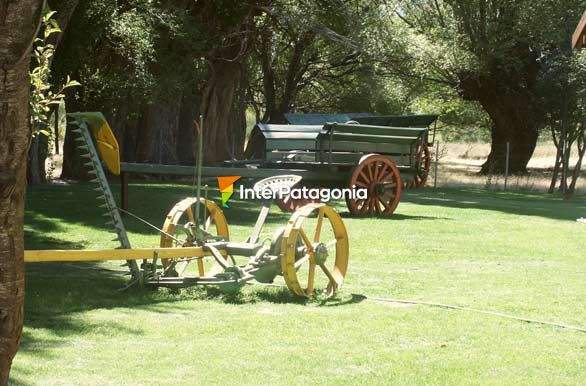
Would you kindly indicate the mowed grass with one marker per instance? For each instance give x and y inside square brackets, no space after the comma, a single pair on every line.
[520,254]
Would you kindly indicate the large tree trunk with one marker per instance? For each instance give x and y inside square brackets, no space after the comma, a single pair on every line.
[217,106]
[521,135]
[221,95]
[159,127]
[19,23]
[515,114]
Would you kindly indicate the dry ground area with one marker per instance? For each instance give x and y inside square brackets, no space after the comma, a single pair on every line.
[459,164]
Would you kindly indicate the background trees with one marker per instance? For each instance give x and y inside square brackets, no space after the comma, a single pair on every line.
[153,67]
[488,51]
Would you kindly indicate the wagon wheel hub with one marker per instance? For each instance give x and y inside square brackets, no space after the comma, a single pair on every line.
[320,253]
[378,189]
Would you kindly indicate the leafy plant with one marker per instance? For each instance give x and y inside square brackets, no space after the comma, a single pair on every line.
[42,96]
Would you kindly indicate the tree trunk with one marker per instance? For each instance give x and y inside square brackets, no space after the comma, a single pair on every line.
[19,23]
[515,115]
[188,114]
[522,140]
[217,106]
[37,156]
[159,127]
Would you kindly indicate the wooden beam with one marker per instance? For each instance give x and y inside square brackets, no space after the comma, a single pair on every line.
[579,37]
[208,171]
[41,256]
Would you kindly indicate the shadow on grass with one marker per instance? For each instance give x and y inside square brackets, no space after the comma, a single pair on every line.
[394,217]
[524,204]
[77,204]
[275,295]
[57,294]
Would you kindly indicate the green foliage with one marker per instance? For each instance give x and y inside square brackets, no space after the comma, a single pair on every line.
[460,120]
[478,51]
[133,52]
[42,96]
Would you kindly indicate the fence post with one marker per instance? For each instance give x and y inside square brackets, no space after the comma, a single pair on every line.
[507,165]
[435,166]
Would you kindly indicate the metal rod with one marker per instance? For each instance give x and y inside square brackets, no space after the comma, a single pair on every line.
[507,165]
[330,144]
[149,224]
[436,163]
[205,207]
[199,166]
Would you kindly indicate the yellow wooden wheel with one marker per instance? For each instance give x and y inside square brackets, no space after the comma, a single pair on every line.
[184,212]
[315,238]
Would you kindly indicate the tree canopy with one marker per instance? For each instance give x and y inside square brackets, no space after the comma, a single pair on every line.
[485,66]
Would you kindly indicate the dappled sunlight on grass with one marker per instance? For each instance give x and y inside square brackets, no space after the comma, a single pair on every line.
[510,252]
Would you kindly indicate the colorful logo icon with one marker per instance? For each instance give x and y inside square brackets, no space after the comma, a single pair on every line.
[227,188]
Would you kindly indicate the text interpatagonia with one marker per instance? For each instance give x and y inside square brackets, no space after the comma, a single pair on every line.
[304,193]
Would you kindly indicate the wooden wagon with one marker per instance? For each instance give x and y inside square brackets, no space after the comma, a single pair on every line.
[355,153]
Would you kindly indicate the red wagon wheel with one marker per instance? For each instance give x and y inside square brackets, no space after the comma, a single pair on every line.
[289,204]
[423,166]
[381,177]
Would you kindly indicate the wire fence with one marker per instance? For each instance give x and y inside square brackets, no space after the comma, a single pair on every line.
[458,164]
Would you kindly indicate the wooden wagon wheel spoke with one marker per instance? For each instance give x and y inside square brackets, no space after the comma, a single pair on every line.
[311,278]
[422,166]
[320,218]
[300,271]
[387,171]
[303,260]
[369,171]
[376,171]
[308,243]
[364,177]
[190,216]
[333,280]
[390,185]
[385,204]
[376,205]
[367,204]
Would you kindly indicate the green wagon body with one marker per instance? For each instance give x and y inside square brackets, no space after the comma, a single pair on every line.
[338,146]
[354,149]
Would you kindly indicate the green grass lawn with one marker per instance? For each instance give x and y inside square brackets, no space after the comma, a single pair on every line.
[520,254]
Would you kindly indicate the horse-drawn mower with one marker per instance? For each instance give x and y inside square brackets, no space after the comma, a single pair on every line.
[310,251]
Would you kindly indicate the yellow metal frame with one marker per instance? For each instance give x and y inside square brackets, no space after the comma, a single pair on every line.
[41,256]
